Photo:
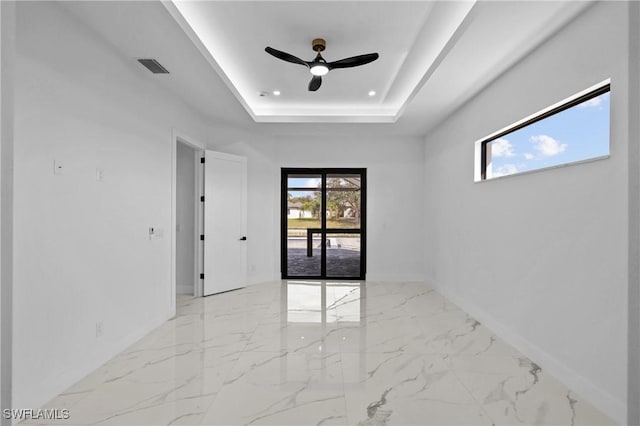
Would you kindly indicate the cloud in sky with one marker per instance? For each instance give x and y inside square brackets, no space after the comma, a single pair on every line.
[529,156]
[547,146]
[502,148]
[504,170]
[312,183]
[593,102]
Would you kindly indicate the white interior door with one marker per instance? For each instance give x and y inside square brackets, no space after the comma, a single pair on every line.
[225,222]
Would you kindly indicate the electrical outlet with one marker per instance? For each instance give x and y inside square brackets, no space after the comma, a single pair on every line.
[99,174]
[99,329]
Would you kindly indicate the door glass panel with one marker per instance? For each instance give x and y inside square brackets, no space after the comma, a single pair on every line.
[343,255]
[343,202]
[323,235]
[304,225]
[304,181]
[343,212]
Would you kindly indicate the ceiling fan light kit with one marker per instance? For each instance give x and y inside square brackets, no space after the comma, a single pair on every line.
[319,67]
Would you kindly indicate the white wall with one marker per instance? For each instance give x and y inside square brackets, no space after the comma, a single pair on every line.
[185,219]
[82,249]
[633,396]
[541,258]
[7,50]
[395,173]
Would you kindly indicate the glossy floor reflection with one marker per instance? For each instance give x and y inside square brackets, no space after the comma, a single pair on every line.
[316,353]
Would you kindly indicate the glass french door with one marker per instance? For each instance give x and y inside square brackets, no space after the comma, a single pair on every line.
[323,217]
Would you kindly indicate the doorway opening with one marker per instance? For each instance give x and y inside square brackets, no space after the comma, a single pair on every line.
[187,219]
[323,218]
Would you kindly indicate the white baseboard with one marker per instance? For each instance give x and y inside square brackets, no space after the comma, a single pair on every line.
[391,278]
[394,278]
[605,402]
[254,279]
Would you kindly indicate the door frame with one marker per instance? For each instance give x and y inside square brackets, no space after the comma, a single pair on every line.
[323,172]
[198,147]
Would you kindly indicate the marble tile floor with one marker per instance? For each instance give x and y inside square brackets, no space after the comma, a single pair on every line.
[322,353]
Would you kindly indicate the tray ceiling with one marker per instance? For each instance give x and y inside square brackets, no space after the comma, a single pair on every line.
[411,38]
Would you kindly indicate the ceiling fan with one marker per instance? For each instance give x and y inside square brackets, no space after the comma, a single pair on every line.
[319,67]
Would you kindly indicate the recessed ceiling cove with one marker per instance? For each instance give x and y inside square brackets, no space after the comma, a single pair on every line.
[411,38]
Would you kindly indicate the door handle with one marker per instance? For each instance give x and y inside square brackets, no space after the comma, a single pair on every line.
[243,239]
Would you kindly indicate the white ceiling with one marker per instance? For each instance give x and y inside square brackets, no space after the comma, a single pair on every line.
[434,56]
[409,37]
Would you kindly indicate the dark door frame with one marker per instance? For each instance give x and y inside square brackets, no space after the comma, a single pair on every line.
[323,172]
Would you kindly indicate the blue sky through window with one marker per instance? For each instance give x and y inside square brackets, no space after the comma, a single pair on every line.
[575,134]
[303,182]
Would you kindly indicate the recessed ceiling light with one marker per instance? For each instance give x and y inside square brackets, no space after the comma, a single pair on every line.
[276,93]
[262,94]
[372,92]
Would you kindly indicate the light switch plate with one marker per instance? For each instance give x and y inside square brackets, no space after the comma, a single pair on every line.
[57,167]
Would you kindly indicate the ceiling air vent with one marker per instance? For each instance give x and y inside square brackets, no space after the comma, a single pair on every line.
[153,66]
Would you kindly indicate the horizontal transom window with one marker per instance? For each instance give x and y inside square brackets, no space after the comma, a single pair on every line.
[569,132]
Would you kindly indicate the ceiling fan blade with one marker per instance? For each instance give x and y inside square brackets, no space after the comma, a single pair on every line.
[353,61]
[285,56]
[315,83]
